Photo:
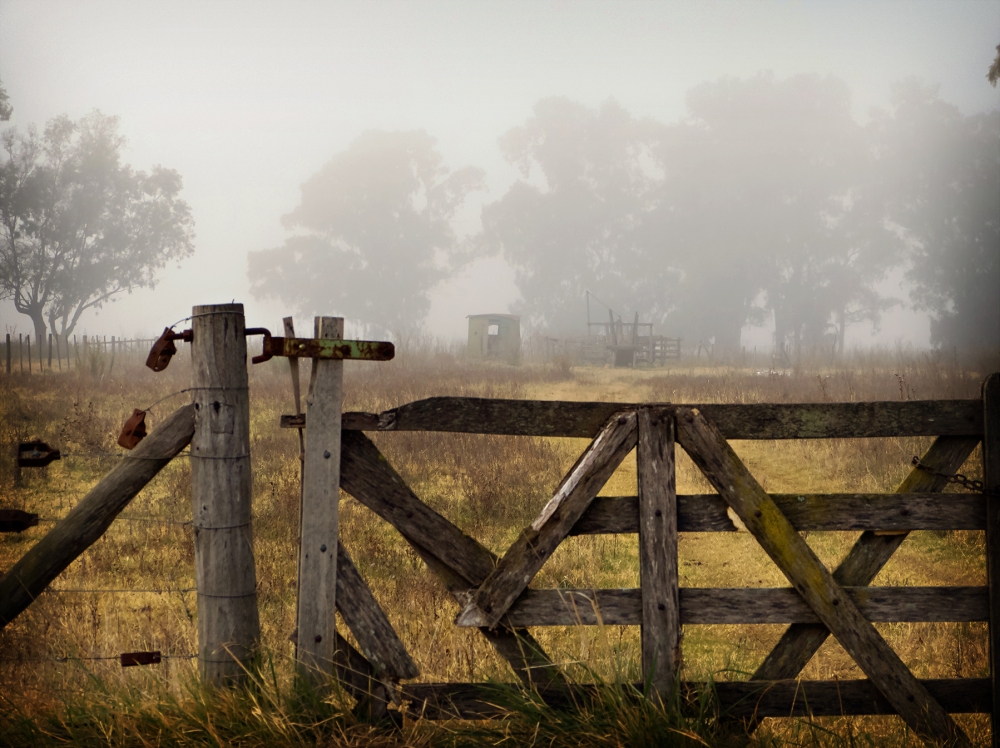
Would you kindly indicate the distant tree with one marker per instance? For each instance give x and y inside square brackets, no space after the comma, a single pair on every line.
[79,227]
[5,108]
[768,204]
[994,72]
[943,170]
[570,224]
[374,233]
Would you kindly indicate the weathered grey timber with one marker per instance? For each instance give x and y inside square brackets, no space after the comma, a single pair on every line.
[460,561]
[865,559]
[536,542]
[787,698]
[367,621]
[228,623]
[623,607]
[991,484]
[359,679]
[762,518]
[817,512]
[657,483]
[318,513]
[89,519]
[734,420]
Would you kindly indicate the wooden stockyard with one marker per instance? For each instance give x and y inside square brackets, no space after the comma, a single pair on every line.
[495,594]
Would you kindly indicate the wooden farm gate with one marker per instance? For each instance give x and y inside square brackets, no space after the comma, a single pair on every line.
[494,593]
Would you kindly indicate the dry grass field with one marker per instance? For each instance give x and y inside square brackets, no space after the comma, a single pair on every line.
[491,486]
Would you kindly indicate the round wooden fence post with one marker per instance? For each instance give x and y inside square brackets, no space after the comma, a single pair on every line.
[228,622]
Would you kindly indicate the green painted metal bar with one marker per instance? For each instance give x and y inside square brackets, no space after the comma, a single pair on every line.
[362,350]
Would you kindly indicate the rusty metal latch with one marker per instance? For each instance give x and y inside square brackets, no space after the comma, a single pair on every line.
[134,430]
[36,453]
[358,350]
[164,349]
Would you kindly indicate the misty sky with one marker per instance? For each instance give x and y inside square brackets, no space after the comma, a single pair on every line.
[247,100]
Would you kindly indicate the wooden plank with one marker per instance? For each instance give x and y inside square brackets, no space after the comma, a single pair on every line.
[458,560]
[367,621]
[89,519]
[788,698]
[734,420]
[865,559]
[360,679]
[721,605]
[762,518]
[537,542]
[225,574]
[991,485]
[318,513]
[661,629]
[814,512]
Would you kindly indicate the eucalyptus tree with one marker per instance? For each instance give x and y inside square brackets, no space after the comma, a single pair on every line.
[79,227]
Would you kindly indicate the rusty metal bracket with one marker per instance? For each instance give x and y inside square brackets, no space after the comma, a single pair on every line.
[131,659]
[36,453]
[359,350]
[15,520]
[164,349]
[134,430]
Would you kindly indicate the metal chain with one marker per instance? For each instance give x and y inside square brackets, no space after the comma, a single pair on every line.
[964,481]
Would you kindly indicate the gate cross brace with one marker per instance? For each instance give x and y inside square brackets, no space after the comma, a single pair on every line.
[764,520]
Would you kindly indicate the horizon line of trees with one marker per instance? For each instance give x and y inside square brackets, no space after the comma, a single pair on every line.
[768,200]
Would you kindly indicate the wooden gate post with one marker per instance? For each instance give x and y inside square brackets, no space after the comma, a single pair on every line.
[991,487]
[661,620]
[228,623]
[318,514]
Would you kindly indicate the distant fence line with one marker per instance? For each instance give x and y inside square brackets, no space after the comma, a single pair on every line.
[21,355]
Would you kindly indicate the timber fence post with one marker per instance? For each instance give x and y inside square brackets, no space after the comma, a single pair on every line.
[318,514]
[228,621]
[661,622]
[8,353]
[991,487]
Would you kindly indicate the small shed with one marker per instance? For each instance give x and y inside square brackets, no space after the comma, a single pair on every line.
[495,336]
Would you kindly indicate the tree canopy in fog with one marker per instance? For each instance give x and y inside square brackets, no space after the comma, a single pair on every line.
[768,200]
[570,224]
[943,173]
[79,226]
[373,233]
[5,108]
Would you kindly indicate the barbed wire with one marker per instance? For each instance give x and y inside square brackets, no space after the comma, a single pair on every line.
[88,658]
[123,590]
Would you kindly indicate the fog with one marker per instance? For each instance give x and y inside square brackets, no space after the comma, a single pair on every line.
[716,168]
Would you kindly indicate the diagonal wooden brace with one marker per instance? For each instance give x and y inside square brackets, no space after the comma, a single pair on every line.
[369,624]
[537,542]
[761,516]
[864,561]
[460,561]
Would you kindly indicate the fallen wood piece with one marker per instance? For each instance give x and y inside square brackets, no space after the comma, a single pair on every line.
[866,558]
[474,415]
[537,542]
[459,561]
[359,679]
[367,621]
[89,519]
[785,698]
[806,511]
[720,605]
[761,516]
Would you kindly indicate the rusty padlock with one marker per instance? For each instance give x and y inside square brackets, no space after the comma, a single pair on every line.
[134,430]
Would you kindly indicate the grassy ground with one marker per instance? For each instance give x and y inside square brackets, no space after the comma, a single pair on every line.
[491,486]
